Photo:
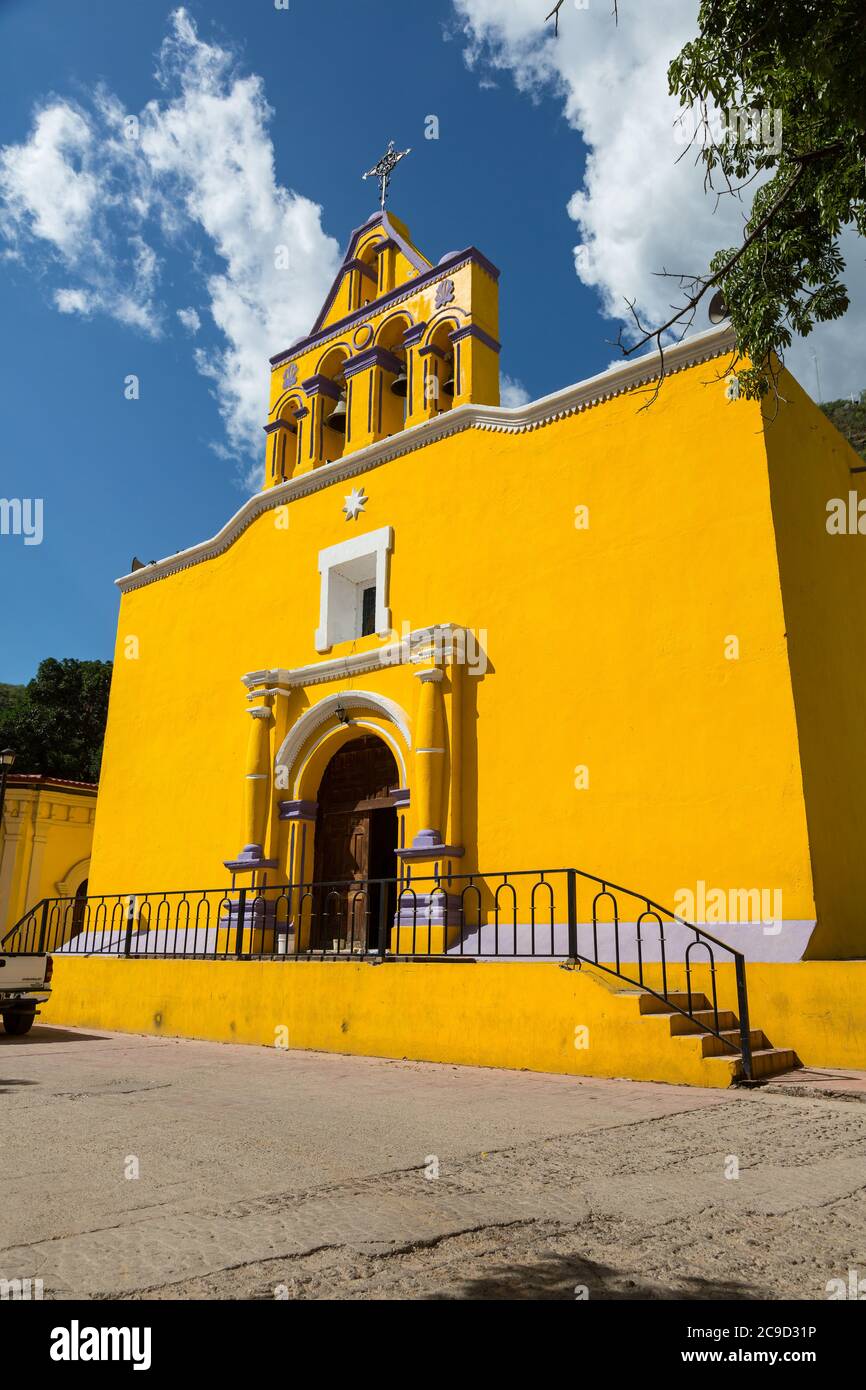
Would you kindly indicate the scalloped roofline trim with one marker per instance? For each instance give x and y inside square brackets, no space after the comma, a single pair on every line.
[622,377]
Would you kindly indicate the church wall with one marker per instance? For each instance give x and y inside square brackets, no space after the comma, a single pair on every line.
[823,577]
[607,648]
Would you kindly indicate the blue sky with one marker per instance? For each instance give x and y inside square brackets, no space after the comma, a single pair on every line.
[103,244]
[121,476]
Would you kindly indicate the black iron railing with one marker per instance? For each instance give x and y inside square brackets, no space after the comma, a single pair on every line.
[545,914]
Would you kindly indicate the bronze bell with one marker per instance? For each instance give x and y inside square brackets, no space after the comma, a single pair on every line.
[448,384]
[400,384]
[337,418]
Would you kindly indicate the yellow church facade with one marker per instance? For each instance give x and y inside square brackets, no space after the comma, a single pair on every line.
[452,651]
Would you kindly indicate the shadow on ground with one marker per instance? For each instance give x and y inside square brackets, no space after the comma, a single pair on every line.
[560,1278]
[46,1034]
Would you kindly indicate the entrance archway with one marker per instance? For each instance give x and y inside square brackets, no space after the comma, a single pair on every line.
[356,840]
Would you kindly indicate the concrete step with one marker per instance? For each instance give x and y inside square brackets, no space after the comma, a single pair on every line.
[702,1020]
[650,1004]
[766,1061]
[712,1046]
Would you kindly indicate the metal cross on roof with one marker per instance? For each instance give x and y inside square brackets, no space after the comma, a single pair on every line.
[384,169]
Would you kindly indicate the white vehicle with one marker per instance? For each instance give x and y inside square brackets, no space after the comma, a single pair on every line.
[25,981]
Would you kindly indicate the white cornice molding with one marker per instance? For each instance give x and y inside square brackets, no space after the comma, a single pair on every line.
[421,645]
[571,400]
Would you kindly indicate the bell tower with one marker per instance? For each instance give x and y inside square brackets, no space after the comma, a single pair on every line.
[398,342]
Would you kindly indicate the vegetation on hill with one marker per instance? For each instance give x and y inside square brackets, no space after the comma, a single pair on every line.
[849,417]
[56,723]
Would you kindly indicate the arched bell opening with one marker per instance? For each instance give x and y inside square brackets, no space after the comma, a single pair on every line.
[396,402]
[335,404]
[367,275]
[442,378]
[287,442]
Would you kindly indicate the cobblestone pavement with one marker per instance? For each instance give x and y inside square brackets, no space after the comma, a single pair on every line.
[264,1174]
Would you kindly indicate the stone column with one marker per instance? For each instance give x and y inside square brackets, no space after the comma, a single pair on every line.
[415,405]
[322,396]
[257,794]
[374,413]
[282,444]
[476,366]
[429,761]
[427,393]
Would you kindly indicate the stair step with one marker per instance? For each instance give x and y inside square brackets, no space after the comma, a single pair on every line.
[701,1020]
[712,1046]
[766,1061]
[652,1004]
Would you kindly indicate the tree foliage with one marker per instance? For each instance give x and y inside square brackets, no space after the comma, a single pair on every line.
[56,723]
[799,68]
[803,63]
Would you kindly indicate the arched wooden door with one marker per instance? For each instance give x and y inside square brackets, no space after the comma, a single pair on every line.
[356,840]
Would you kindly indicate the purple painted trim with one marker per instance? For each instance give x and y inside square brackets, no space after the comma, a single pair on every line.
[279,425]
[428,845]
[473,331]
[400,796]
[250,857]
[423,910]
[298,810]
[321,386]
[428,275]
[414,334]
[302,412]
[480,259]
[432,852]
[361,266]
[430,349]
[372,357]
[387,245]
[382,219]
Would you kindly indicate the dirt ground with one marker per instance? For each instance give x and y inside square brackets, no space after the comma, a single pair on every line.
[139,1167]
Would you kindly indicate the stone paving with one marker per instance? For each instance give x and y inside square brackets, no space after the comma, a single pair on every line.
[264,1174]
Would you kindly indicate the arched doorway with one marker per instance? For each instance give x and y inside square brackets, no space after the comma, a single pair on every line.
[356,840]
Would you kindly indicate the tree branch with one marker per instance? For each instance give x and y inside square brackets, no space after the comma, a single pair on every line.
[688,309]
[554,14]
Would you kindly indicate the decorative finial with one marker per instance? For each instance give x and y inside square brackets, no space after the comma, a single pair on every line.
[384,169]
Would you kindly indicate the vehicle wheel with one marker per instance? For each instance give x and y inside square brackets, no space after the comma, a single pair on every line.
[19,1022]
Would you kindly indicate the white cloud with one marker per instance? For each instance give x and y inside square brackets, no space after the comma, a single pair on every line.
[46,184]
[72,301]
[190,320]
[199,169]
[512,392]
[61,204]
[638,211]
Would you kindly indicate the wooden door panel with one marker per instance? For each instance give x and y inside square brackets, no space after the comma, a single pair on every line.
[355,784]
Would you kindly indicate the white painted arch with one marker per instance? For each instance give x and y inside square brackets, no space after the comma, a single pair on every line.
[323,712]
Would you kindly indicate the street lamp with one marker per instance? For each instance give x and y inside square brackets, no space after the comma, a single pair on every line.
[7,759]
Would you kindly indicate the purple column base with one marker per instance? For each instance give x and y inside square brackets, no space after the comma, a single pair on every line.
[251,857]
[423,910]
[428,844]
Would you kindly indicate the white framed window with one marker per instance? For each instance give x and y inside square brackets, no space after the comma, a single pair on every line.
[349,570]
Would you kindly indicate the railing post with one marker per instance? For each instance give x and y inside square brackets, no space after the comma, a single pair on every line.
[572,913]
[383,918]
[130,918]
[242,912]
[43,926]
[743,1012]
